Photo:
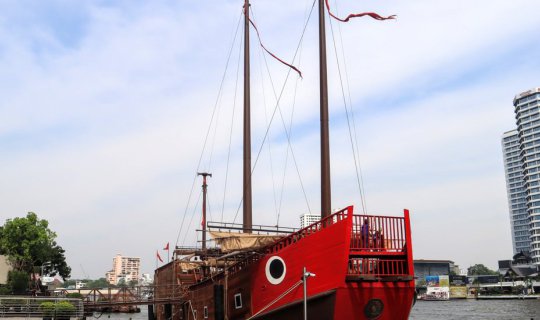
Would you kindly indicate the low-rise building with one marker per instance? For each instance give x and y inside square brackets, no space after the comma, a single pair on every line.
[423,268]
[521,267]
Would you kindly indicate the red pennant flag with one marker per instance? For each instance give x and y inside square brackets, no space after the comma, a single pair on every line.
[158,256]
[357,15]
[166,247]
[203,222]
[270,53]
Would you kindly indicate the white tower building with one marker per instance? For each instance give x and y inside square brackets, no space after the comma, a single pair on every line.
[517,204]
[524,224]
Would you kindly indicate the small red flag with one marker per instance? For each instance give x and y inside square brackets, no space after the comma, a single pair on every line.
[166,247]
[158,256]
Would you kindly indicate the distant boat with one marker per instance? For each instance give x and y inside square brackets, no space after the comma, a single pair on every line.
[434,296]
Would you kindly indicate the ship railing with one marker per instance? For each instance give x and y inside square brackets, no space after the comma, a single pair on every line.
[377,267]
[243,263]
[257,229]
[384,235]
[309,230]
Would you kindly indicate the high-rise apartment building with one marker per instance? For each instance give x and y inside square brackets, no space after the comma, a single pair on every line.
[517,204]
[521,150]
[127,268]
[308,219]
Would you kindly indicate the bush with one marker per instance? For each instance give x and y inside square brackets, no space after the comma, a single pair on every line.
[74,295]
[64,310]
[47,308]
[18,282]
[518,289]
[4,290]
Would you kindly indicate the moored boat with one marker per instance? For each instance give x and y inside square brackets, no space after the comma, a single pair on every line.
[345,266]
[353,279]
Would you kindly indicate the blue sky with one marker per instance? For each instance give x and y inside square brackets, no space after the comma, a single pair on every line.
[105,107]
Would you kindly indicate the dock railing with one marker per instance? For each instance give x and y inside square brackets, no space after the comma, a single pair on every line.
[40,307]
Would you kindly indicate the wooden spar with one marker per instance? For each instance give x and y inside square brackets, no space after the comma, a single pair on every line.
[247,207]
[204,187]
[325,141]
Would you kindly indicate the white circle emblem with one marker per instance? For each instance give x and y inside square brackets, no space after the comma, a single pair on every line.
[275,270]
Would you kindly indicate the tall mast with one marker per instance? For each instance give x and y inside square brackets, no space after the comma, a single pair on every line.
[204,187]
[247,208]
[325,141]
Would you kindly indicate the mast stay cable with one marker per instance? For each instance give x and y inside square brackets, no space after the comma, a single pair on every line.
[277,205]
[277,106]
[359,174]
[192,215]
[261,53]
[346,106]
[218,98]
[288,131]
[231,128]
[350,16]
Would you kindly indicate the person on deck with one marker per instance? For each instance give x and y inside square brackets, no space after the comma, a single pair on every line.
[378,240]
[364,233]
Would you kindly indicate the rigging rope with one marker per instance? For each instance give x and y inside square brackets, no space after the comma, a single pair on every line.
[185,210]
[288,135]
[352,140]
[296,285]
[231,129]
[261,54]
[191,220]
[276,109]
[359,175]
[307,12]
[209,127]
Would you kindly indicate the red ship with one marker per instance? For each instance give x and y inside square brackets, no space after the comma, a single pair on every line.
[345,266]
[354,277]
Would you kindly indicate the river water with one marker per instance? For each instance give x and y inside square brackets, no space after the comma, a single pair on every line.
[477,309]
[428,310]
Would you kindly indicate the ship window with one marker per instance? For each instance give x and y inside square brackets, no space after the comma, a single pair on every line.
[205,312]
[275,270]
[238,301]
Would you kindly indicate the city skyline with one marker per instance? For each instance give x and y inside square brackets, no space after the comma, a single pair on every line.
[105,108]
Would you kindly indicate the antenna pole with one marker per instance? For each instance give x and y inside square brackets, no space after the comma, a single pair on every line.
[325,140]
[247,208]
[204,187]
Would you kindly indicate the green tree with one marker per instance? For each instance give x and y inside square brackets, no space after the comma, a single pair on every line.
[29,243]
[57,262]
[480,270]
[70,282]
[122,283]
[99,283]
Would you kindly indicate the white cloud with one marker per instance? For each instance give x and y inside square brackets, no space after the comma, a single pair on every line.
[102,136]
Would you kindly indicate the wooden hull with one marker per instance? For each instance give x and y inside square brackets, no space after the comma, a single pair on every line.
[337,291]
